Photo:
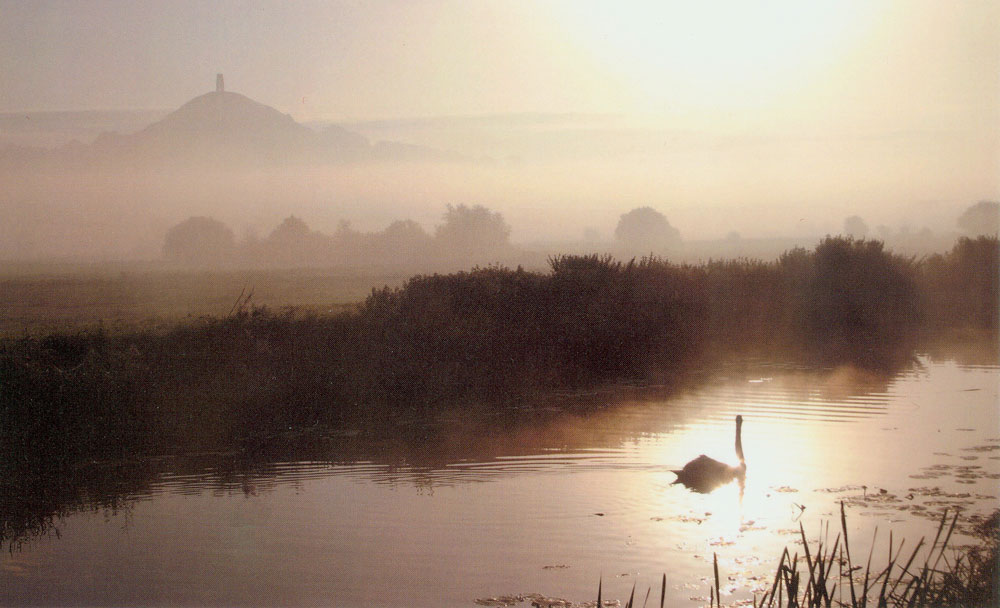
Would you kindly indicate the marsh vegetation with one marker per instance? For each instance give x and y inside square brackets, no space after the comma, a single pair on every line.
[486,336]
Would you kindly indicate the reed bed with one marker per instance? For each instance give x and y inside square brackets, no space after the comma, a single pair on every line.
[826,575]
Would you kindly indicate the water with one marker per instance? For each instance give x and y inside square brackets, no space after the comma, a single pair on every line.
[548,501]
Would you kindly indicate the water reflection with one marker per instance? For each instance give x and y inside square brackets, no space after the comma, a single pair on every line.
[568,432]
[460,495]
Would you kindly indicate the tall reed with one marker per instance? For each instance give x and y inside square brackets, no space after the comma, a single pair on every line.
[966,578]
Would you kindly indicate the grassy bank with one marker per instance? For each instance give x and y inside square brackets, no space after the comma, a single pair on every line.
[474,339]
[127,298]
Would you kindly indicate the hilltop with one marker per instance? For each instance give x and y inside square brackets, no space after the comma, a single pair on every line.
[226,127]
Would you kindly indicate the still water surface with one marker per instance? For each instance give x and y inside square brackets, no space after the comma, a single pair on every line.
[549,505]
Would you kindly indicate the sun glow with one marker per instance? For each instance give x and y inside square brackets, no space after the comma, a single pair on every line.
[679,56]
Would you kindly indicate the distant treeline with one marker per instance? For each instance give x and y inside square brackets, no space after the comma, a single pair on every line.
[467,232]
[475,234]
[474,339]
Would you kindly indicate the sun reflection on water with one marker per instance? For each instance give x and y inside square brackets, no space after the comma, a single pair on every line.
[552,505]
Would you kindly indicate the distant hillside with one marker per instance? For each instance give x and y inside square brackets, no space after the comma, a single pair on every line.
[225,127]
[54,128]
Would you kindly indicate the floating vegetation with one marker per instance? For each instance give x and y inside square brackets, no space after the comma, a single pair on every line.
[982,448]
[537,600]
[964,474]
[838,490]
[750,526]
[501,600]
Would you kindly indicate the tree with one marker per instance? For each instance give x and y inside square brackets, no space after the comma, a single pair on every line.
[855,227]
[199,240]
[405,230]
[645,230]
[291,230]
[473,230]
[981,218]
[292,243]
[402,240]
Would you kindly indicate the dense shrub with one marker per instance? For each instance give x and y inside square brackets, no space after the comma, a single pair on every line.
[961,287]
[856,296]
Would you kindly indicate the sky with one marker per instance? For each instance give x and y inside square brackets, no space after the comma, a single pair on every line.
[785,64]
[717,113]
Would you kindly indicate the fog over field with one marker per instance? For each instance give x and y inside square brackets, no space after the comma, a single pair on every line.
[776,123]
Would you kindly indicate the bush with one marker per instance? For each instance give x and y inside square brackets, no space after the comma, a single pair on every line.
[645,230]
[961,287]
[200,240]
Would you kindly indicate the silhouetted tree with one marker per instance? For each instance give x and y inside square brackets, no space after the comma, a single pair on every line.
[351,245]
[981,218]
[405,230]
[473,230]
[291,230]
[200,240]
[855,227]
[645,229]
[293,243]
[402,241]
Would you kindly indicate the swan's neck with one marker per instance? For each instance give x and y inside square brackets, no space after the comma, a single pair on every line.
[739,443]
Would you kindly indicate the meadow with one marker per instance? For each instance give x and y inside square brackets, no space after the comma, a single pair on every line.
[40,299]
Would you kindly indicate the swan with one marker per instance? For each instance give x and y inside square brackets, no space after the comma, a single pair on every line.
[704,474]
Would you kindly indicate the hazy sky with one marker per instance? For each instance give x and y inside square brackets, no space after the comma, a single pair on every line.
[864,65]
[779,117]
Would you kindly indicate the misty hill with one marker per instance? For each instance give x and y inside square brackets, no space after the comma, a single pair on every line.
[226,127]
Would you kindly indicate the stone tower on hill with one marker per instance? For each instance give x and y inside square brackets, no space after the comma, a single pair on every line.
[220,86]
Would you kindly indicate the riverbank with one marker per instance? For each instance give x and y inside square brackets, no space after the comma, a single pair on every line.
[483,337]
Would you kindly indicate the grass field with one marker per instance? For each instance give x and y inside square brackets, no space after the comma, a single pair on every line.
[40,300]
